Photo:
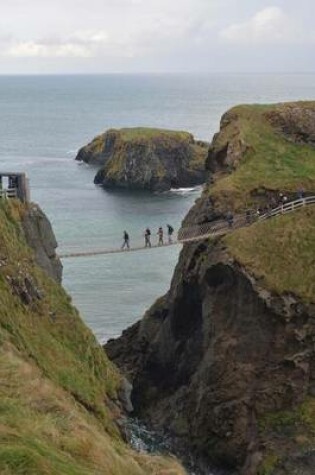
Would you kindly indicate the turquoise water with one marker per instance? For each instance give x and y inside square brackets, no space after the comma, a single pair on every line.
[46,119]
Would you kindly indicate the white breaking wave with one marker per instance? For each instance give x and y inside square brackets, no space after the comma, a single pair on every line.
[182,191]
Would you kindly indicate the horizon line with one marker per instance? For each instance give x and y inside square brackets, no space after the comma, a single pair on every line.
[156,73]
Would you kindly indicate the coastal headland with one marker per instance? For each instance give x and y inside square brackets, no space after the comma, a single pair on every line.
[224,362]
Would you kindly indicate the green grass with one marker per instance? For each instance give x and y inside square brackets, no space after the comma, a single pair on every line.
[146,133]
[61,345]
[44,431]
[281,251]
[271,161]
[56,382]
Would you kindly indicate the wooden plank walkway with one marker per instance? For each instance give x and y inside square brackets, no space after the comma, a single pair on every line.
[205,230]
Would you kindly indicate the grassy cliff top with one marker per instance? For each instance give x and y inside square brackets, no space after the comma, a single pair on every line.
[56,383]
[280,251]
[106,144]
[147,133]
[269,151]
[138,135]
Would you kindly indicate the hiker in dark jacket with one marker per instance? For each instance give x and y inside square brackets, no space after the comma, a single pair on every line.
[126,241]
[147,238]
[170,231]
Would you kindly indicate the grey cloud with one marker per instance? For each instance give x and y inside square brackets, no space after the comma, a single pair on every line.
[155,34]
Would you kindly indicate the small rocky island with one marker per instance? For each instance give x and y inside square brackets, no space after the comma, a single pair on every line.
[146,159]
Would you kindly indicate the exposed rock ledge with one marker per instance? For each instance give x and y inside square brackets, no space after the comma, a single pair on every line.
[41,238]
[148,159]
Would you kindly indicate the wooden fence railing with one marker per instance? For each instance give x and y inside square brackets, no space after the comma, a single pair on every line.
[216,228]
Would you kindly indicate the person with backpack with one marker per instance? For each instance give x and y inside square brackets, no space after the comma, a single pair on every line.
[170,231]
[126,241]
[147,238]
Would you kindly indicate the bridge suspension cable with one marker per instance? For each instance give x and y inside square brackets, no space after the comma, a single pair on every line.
[202,231]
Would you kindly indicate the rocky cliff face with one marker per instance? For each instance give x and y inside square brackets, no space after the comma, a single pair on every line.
[218,356]
[151,159]
[41,238]
[225,360]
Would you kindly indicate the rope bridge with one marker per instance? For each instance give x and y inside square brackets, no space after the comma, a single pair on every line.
[205,230]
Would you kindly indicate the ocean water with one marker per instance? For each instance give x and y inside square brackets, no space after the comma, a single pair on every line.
[45,119]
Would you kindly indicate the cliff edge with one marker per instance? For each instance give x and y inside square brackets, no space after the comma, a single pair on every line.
[41,238]
[148,159]
[225,360]
[60,411]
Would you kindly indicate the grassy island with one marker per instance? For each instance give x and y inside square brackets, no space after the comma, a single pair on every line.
[146,158]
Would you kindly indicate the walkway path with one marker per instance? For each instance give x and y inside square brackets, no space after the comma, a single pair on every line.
[203,231]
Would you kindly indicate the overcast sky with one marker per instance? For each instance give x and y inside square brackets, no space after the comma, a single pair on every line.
[100,36]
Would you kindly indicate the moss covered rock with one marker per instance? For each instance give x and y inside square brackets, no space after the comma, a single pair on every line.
[144,158]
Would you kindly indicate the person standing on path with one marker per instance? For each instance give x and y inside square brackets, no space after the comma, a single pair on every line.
[230,219]
[160,234]
[126,241]
[170,231]
[147,238]
[301,193]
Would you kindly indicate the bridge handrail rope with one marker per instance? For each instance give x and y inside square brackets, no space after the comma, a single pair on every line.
[210,229]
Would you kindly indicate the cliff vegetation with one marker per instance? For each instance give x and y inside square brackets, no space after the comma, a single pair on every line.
[262,148]
[58,390]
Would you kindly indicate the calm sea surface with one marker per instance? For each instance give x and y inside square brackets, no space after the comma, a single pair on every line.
[44,120]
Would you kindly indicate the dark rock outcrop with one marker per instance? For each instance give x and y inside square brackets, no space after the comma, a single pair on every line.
[148,159]
[41,238]
[216,355]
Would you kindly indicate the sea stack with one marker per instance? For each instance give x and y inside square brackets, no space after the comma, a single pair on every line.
[146,159]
